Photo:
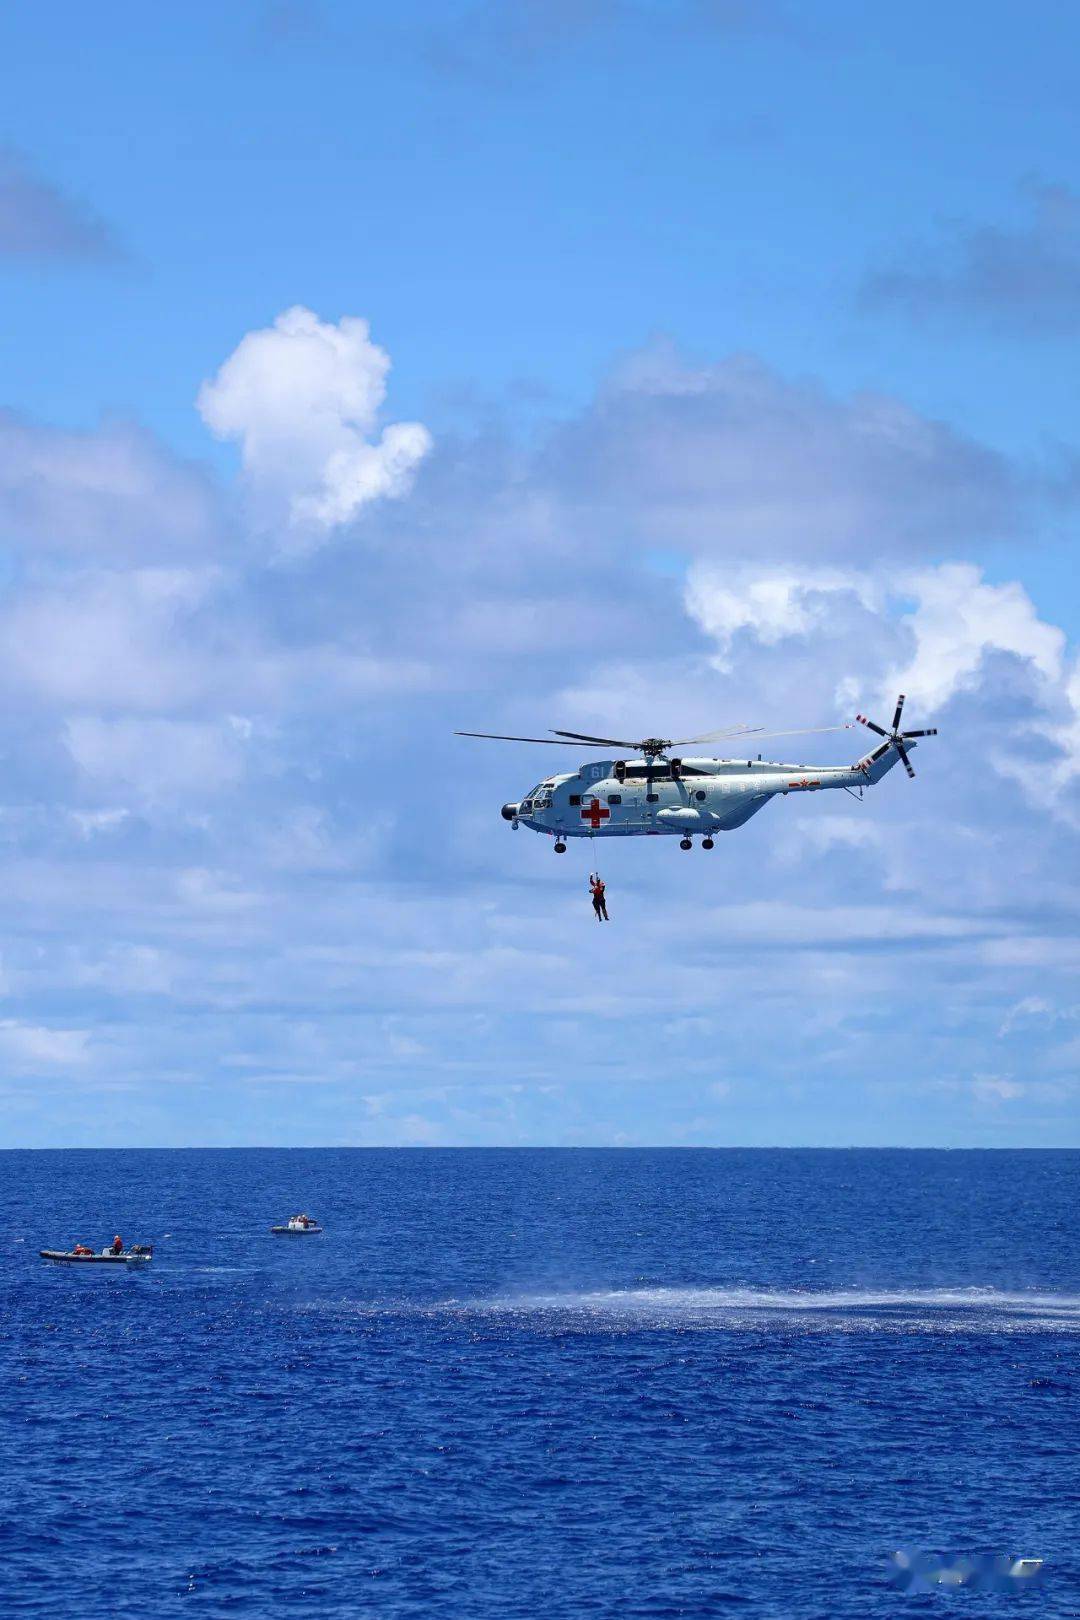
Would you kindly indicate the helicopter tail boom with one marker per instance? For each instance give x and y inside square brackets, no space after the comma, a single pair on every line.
[879,762]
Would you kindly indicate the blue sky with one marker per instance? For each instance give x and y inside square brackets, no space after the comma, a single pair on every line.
[592,363]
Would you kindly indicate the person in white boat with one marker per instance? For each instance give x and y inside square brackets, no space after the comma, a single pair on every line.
[117,1244]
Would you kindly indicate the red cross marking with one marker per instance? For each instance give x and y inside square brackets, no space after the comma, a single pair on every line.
[594,814]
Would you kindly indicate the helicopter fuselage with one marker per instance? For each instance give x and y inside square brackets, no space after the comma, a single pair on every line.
[649,797]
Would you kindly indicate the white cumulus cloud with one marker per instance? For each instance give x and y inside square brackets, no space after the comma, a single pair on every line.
[938,634]
[958,620]
[303,398]
[772,604]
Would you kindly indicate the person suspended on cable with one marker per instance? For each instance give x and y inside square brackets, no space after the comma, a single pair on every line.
[599,901]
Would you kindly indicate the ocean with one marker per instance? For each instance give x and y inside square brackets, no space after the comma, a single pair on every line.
[552,1383]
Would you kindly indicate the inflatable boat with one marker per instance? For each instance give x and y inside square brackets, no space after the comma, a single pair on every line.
[140,1254]
[298,1226]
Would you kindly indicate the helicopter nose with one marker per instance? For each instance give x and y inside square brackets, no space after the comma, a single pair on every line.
[509,812]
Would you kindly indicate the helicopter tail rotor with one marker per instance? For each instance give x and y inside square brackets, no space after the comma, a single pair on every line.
[894,738]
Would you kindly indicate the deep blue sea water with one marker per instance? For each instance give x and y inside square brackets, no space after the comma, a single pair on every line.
[537,1383]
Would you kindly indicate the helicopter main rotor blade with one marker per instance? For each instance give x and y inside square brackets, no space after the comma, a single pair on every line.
[669,742]
[739,730]
[559,739]
[808,731]
[899,710]
[902,751]
[861,718]
[497,736]
[579,736]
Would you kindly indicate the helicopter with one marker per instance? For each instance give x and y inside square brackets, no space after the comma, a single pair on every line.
[657,792]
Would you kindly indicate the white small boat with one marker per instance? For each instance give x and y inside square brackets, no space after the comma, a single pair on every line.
[139,1254]
[298,1226]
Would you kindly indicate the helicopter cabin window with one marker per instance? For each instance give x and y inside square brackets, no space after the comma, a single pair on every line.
[614,798]
[700,794]
[575,798]
[652,798]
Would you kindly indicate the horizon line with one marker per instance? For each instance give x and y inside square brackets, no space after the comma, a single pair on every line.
[550,1147]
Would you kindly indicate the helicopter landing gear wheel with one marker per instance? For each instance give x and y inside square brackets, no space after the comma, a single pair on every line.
[686,843]
[706,843]
[560,847]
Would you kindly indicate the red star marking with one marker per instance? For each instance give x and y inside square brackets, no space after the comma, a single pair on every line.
[594,814]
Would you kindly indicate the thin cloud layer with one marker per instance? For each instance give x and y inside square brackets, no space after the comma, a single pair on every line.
[302,398]
[737,460]
[1022,279]
[37,221]
[115,492]
[493,36]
